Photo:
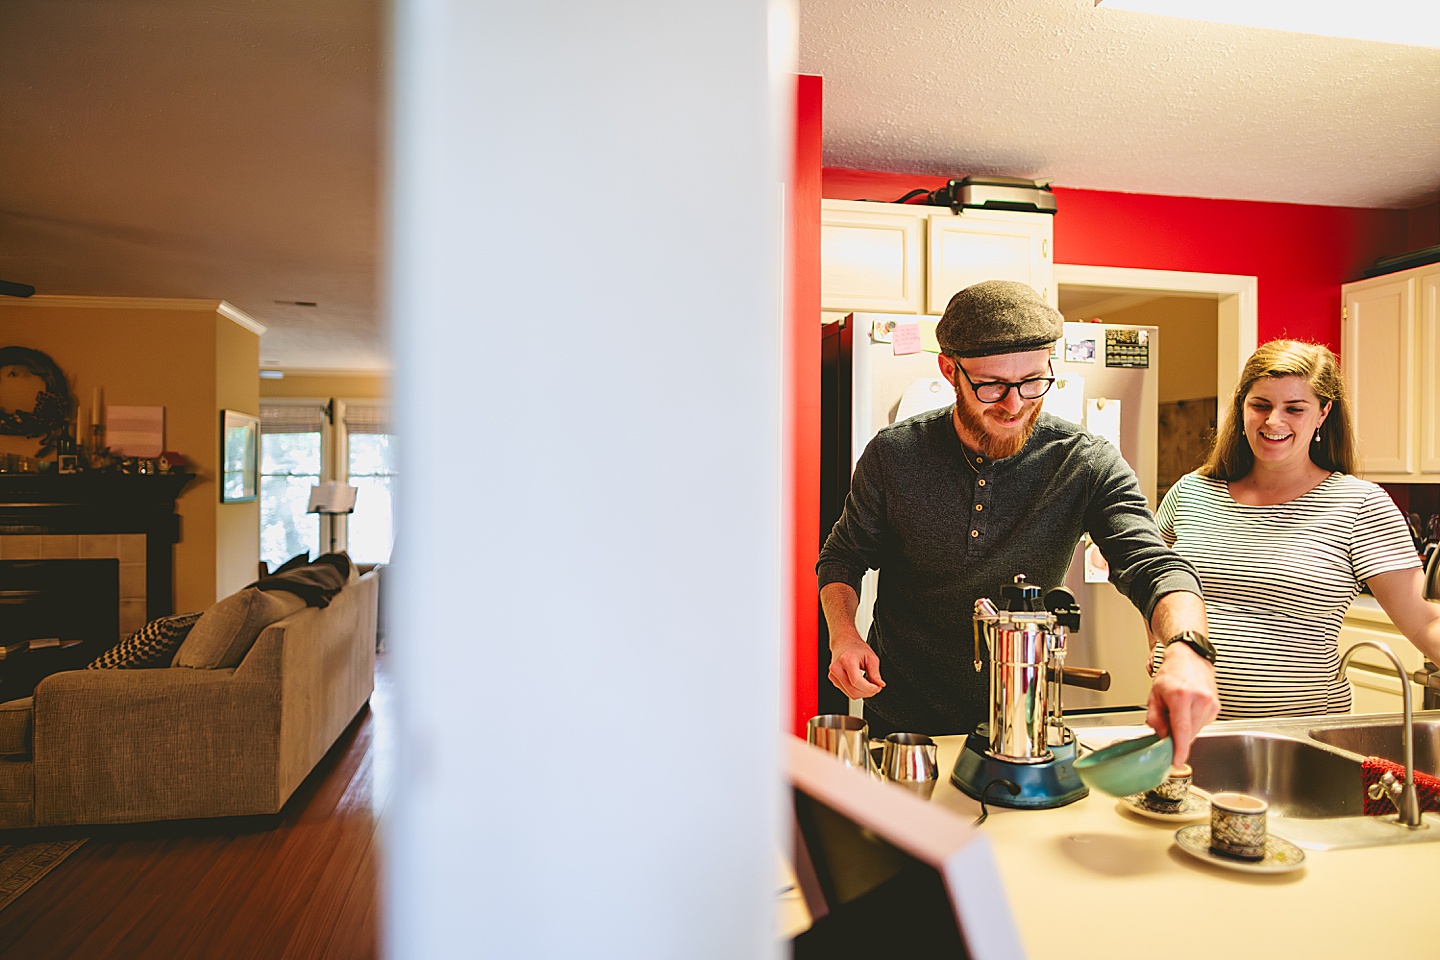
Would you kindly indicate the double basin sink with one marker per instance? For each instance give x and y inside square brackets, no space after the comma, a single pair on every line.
[1309,769]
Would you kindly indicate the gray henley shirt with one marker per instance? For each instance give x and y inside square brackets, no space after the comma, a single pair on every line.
[944,532]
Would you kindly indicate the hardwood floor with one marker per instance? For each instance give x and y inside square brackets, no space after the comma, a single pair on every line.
[298,885]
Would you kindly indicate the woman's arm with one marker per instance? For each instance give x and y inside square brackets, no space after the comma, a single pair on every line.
[1401,597]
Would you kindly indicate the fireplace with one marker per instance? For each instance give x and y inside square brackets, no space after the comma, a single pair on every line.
[54,615]
[126,521]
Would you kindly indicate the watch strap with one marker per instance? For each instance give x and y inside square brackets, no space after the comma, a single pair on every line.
[1196,641]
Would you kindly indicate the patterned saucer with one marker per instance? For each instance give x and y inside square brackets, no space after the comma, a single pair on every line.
[1281,856]
[1195,806]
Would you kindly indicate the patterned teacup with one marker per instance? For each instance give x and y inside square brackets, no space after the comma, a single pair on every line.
[1174,788]
[1237,826]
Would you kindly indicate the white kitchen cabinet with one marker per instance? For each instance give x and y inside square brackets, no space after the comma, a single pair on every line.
[978,245]
[870,257]
[1390,356]
[906,258]
[1374,685]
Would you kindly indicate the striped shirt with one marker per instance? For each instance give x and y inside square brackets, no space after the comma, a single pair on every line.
[1278,580]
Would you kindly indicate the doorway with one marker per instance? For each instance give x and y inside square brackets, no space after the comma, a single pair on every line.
[1208,319]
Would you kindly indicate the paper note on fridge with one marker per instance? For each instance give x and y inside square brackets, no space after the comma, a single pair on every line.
[906,339]
[1066,399]
[1102,418]
[931,393]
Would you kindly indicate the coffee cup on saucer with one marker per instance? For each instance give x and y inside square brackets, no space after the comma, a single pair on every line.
[1237,826]
[1174,788]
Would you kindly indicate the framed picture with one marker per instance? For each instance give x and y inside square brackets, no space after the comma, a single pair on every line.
[239,457]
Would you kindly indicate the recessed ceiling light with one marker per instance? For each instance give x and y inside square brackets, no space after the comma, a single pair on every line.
[1411,22]
[272,374]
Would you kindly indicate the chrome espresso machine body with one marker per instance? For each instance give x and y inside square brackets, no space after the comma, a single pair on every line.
[1026,749]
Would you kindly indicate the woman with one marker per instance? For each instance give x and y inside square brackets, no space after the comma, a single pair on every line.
[1283,536]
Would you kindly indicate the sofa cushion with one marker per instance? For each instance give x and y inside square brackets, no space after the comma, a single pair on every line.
[224,633]
[153,645]
[17,718]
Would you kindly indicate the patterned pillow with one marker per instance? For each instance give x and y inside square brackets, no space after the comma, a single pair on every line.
[153,645]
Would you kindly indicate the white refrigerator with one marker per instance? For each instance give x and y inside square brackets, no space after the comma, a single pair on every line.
[1107,381]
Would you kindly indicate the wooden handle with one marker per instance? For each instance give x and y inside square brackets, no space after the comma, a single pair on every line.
[1088,677]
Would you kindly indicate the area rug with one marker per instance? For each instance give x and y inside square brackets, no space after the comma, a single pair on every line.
[21,866]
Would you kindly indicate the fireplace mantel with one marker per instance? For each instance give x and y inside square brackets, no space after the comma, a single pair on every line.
[48,511]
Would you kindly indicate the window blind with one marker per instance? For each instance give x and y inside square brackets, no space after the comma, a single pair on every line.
[367,418]
[291,418]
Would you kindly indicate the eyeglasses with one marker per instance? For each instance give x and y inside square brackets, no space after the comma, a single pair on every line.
[993,391]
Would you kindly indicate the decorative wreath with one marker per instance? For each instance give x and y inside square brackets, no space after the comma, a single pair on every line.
[50,416]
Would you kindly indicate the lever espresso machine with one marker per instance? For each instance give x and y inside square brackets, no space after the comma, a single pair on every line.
[1024,756]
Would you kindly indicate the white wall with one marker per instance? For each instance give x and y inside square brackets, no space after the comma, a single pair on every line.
[588,633]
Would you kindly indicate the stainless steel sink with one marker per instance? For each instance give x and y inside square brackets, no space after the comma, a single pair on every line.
[1385,740]
[1309,771]
[1300,779]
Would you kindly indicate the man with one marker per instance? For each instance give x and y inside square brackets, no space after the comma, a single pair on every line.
[952,504]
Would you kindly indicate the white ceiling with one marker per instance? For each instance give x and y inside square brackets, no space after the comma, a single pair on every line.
[230,149]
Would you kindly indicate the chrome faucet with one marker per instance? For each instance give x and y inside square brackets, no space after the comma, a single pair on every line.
[1404,797]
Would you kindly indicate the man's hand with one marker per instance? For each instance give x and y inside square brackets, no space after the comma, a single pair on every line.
[1183,697]
[855,668]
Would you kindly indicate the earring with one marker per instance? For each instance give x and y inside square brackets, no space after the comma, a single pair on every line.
[1317,436]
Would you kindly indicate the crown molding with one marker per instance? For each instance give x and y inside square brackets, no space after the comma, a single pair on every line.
[227,310]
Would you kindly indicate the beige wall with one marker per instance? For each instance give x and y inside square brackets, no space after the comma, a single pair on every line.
[237,387]
[1188,347]
[181,355]
[353,386]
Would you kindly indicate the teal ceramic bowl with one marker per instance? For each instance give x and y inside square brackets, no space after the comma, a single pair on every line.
[1128,767]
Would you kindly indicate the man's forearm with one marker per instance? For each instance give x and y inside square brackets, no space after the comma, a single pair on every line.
[839,601]
[1177,611]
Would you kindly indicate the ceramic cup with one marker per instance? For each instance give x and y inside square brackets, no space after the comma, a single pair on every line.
[845,736]
[1237,825]
[1175,787]
[909,759]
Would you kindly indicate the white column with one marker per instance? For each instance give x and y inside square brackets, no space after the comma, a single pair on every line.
[588,636]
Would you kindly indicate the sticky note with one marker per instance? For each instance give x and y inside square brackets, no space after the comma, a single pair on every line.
[906,339]
[927,336]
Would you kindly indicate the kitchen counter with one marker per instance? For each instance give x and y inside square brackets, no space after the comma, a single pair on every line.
[1088,880]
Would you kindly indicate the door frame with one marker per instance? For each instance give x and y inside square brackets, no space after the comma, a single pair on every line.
[1237,323]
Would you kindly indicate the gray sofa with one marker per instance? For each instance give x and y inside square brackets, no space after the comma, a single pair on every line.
[271,684]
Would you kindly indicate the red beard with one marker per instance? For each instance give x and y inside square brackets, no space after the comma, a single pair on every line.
[986,443]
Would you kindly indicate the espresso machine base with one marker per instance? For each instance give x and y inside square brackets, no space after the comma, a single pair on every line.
[1043,784]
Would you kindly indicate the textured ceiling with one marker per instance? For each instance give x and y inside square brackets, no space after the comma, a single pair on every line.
[1112,100]
[229,149]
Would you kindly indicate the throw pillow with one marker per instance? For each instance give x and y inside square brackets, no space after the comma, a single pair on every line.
[225,633]
[153,645]
[299,560]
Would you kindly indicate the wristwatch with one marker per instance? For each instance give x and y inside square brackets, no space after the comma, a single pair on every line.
[1196,641]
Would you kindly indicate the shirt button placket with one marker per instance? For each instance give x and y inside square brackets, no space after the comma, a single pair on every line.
[982,501]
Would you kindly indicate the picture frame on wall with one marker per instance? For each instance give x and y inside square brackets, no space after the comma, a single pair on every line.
[239,457]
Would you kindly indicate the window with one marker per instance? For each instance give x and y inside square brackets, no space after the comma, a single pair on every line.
[370,469]
[305,442]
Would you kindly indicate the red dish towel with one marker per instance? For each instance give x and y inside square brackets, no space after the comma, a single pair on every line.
[1427,788]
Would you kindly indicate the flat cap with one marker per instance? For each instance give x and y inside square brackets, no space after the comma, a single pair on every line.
[997,316]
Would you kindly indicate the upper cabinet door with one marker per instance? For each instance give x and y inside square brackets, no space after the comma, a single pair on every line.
[869,259]
[1378,357]
[1428,293]
[978,245]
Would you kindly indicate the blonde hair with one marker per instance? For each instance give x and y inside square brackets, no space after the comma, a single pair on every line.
[1231,457]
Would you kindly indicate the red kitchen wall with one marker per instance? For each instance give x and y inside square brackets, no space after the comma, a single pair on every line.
[802,339]
[1301,254]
